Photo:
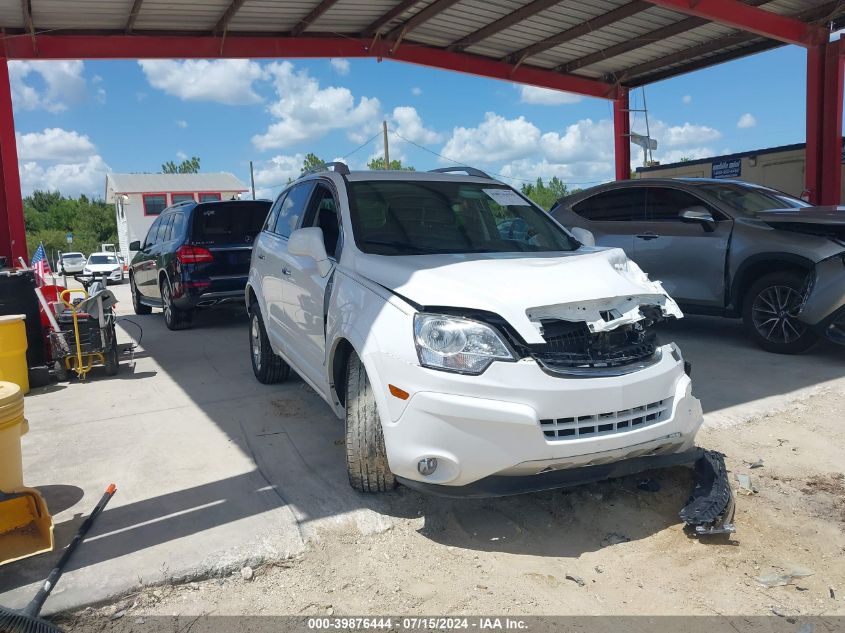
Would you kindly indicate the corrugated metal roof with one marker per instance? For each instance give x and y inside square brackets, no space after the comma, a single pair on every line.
[155,183]
[636,57]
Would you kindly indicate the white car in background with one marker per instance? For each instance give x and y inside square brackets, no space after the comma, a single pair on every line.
[468,358]
[108,263]
[71,263]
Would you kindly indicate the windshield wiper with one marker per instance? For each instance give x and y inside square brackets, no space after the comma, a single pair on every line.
[403,246]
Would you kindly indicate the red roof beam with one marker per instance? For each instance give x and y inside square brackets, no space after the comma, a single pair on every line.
[741,16]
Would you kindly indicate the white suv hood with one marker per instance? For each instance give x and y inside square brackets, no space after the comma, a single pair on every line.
[577,286]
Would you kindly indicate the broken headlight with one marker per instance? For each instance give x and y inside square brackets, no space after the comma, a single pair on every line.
[457,344]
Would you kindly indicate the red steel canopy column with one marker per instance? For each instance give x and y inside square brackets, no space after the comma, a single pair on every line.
[622,134]
[12,228]
[823,166]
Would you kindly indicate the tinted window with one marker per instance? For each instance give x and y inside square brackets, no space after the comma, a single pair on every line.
[419,217]
[228,223]
[292,208]
[181,197]
[152,233]
[618,205]
[177,229]
[270,224]
[665,204]
[102,259]
[209,197]
[164,228]
[748,200]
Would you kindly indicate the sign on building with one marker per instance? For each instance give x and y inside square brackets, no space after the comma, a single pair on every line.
[726,168]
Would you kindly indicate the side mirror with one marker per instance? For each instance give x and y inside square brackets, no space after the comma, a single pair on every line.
[308,242]
[699,215]
[135,246]
[583,235]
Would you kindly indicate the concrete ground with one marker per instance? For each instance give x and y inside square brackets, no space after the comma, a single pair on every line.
[216,471]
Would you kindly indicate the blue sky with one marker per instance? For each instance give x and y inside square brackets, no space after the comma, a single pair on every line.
[77,120]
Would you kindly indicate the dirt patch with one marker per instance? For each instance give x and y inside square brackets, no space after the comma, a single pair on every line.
[832,486]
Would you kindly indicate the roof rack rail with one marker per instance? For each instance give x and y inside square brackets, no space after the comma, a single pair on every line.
[337,166]
[469,171]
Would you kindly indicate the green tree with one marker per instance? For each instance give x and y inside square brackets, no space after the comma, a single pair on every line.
[312,162]
[188,166]
[545,195]
[378,163]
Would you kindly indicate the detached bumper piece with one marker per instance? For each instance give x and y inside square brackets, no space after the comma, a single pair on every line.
[710,508]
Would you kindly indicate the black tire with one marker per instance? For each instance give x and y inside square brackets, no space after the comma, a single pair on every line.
[174,318]
[139,307]
[366,456]
[769,312]
[268,368]
[112,363]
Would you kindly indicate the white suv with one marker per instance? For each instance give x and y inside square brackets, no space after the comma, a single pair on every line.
[471,344]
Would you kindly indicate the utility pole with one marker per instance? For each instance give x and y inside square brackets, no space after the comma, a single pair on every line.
[252,179]
[386,148]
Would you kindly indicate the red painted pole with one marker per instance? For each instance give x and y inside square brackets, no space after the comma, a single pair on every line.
[622,134]
[12,227]
[815,114]
[831,150]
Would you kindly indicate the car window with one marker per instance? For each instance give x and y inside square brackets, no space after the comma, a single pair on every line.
[72,256]
[102,259]
[270,224]
[322,213]
[292,209]
[177,229]
[152,234]
[625,204]
[235,222]
[392,217]
[164,228]
[664,204]
[749,199]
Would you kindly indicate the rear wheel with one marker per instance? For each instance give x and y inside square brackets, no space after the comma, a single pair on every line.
[770,310]
[366,455]
[112,363]
[266,365]
[174,318]
[139,307]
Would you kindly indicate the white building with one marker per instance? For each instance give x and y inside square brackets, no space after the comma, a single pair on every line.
[139,198]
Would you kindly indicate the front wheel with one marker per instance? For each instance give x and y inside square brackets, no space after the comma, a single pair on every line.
[366,455]
[112,363]
[266,365]
[769,313]
[139,307]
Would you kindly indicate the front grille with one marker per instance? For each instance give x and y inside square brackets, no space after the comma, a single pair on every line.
[608,423]
[571,345]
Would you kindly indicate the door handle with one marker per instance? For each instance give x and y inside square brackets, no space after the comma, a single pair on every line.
[648,236]
[260,256]
[286,271]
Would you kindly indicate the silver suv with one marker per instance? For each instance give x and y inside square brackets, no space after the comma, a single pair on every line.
[727,248]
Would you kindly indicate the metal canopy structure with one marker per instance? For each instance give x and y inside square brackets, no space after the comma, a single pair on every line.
[600,48]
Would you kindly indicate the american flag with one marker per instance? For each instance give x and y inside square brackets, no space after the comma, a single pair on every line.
[40,264]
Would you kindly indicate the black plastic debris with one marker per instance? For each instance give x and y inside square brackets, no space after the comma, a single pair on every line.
[710,508]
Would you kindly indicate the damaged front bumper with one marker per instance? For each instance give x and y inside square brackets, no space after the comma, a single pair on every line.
[824,305]
[708,511]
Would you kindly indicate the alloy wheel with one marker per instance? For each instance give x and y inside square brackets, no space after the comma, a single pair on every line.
[255,342]
[774,314]
[165,296]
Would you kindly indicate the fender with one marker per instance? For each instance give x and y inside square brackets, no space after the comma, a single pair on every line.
[780,260]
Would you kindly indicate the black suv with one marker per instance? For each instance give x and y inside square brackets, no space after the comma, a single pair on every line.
[195,255]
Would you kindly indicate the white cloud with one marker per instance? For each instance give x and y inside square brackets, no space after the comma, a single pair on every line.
[181,123]
[687,99]
[406,122]
[586,140]
[181,155]
[307,112]
[495,139]
[54,144]
[416,91]
[227,81]
[87,176]
[101,95]
[747,120]
[545,96]
[63,82]
[675,155]
[341,66]
[683,135]
[278,170]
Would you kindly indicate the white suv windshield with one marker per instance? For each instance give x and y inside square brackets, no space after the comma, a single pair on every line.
[417,217]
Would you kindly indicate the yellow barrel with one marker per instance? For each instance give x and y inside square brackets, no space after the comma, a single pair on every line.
[13,351]
[26,527]
[12,426]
